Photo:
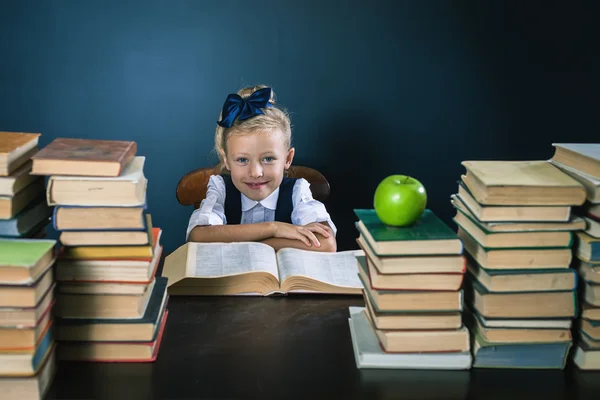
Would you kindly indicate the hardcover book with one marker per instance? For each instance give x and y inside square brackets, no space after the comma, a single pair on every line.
[16,148]
[517,355]
[369,354]
[584,157]
[84,157]
[126,190]
[522,183]
[429,235]
[23,261]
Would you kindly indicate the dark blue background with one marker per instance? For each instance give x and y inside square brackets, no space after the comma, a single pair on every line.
[374,87]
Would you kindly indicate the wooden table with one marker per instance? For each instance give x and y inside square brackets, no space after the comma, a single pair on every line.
[289,347]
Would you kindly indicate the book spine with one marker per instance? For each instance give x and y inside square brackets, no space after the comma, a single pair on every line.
[571,239]
[128,156]
[49,191]
[54,212]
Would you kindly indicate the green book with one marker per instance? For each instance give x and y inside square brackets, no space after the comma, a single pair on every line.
[429,235]
[22,261]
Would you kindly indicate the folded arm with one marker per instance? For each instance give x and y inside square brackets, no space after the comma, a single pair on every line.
[314,236]
[232,233]
[326,242]
[207,224]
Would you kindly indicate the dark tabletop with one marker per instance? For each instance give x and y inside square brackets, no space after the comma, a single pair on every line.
[297,346]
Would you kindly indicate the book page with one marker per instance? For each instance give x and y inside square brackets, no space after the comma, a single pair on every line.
[338,269]
[223,259]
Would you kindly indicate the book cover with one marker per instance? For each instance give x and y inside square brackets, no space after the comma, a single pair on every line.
[587,153]
[522,183]
[23,252]
[62,153]
[12,141]
[520,173]
[427,227]
[526,356]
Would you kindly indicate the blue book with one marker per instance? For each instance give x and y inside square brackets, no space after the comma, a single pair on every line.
[519,355]
[28,220]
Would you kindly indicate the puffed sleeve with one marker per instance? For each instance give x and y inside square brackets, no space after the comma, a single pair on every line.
[212,208]
[307,209]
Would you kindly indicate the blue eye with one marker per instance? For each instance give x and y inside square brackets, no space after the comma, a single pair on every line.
[269,159]
[242,160]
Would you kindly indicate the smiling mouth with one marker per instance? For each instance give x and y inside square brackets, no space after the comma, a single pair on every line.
[256,185]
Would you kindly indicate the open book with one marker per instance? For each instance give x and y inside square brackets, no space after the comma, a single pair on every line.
[255,268]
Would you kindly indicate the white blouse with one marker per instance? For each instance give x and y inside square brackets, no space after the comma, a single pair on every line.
[212,209]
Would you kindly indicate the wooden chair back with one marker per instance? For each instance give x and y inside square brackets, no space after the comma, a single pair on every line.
[191,189]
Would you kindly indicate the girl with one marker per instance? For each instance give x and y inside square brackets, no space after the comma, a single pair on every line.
[252,200]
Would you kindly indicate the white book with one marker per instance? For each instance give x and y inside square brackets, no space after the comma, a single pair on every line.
[368,352]
[588,150]
[125,190]
[582,157]
[586,359]
[591,183]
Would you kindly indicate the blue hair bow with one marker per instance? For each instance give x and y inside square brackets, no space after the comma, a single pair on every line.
[237,107]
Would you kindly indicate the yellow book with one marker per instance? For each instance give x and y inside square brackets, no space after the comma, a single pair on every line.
[118,252]
[96,252]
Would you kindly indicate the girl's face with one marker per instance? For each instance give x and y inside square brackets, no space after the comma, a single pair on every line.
[257,162]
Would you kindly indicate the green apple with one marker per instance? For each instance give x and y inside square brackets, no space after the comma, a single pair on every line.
[399,200]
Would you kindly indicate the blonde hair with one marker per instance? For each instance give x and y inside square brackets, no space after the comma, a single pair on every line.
[274,118]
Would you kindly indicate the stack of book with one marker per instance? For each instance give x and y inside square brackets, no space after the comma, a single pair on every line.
[23,209]
[581,161]
[412,286]
[110,306]
[27,343]
[515,221]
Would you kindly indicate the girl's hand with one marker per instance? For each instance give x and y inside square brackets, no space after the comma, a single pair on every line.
[305,234]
